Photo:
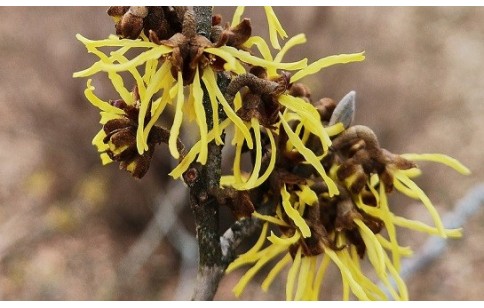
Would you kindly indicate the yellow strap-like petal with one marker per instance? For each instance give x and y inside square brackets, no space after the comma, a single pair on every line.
[247,257]
[108,116]
[177,121]
[270,253]
[141,133]
[421,227]
[304,280]
[237,15]
[291,275]
[98,141]
[275,27]
[246,57]
[261,46]
[116,80]
[258,157]
[200,117]
[405,190]
[192,154]
[390,227]
[376,255]
[307,195]
[238,141]
[140,83]
[272,161]
[371,289]
[425,200]
[160,104]
[211,84]
[114,41]
[294,214]
[105,159]
[439,158]
[373,247]
[293,41]
[285,241]
[346,289]
[254,179]
[403,251]
[296,40]
[236,166]
[315,67]
[335,129]
[318,280]
[154,53]
[310,157]
[214,105]
[412,172]
[97,102]
[230,60]
[402,287]
[275,271]
[150,68]
[270,219]
[345,272]
[309,117]
[308,292]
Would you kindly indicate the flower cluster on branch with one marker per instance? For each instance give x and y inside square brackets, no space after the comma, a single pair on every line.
[328,179]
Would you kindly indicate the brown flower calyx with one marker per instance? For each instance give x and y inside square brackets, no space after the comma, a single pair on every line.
[325,107]
[231,36]
[164,21]
[188,50]
[359,155]
[289,169]
[300,90]
[319,239]
[238,201]
[259,98]
[335,216]
[121,139]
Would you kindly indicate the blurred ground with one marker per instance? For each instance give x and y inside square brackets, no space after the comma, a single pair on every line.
[68,225]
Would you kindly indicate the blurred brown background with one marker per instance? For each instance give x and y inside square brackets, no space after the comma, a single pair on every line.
[71,229]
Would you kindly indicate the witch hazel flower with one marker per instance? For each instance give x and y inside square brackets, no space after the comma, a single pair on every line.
[319,184]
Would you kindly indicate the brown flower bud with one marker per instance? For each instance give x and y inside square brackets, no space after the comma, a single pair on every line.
[130,26]
[300,90]
[325,107]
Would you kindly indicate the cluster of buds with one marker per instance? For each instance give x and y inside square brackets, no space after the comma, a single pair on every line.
[131,21]
[318,180]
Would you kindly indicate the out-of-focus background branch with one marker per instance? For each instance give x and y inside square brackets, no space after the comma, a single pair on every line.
[72,229]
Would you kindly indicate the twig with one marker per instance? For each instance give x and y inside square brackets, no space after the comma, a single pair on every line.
[201,180]
[229,242]
[232,238]
[215,252]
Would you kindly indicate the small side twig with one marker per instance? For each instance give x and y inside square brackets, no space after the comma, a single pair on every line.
[232,238]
